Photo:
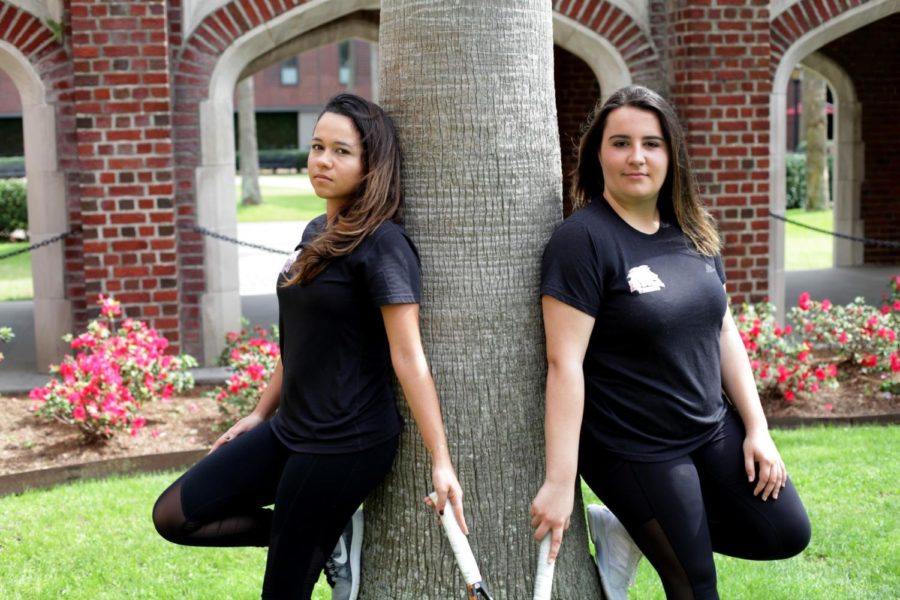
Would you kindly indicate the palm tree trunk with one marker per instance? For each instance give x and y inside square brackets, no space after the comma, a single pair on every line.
[247,143]
[470,86]
[814,119]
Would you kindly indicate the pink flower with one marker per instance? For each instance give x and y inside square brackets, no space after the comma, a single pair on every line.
[829,407]
[136,425]
[885,309]
[895,363]
[869,360]
[821,374]
[803,301]
[78,413]
[826,304]
[896,305]
[843,337]
[789,395]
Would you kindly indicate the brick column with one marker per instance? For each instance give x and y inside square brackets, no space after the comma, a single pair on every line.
[123,113]
[719,56]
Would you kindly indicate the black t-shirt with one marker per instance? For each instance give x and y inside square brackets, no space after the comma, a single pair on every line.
[653,386]
[336,395]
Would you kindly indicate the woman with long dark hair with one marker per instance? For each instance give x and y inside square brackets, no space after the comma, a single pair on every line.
[325,430]
[650,394]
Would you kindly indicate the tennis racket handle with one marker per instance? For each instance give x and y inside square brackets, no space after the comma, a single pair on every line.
[458,543]
[543,578]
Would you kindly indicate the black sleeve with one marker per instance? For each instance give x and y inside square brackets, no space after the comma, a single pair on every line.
[720,268]
[570,271]
[392,268]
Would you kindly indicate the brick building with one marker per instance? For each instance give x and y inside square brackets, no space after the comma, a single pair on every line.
[128,104]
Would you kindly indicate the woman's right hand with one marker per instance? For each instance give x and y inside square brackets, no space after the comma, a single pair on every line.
[242,426]
[551,510]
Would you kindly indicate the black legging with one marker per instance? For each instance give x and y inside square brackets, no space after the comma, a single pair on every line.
[221,501]
[682,510]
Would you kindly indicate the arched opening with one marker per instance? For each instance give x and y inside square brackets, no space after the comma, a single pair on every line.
[51,311]
[305,28]
[587,68]
[850,166]
[847,152]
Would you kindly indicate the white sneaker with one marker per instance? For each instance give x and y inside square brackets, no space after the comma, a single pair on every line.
[342,567]
[617,555]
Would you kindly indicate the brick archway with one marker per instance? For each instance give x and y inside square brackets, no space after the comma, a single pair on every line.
[215,57]
[797,32]
[615,43]
[36,63]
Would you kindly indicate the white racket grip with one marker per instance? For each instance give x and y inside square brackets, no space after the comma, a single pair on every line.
[543,578]
[458,543]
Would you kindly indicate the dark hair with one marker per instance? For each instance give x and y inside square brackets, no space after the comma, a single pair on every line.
[377,199]
[678,198]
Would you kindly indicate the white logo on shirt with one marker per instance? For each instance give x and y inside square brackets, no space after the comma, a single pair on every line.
[290,261]
[642,280]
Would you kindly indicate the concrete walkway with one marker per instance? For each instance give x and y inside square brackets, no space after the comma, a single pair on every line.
[259,269]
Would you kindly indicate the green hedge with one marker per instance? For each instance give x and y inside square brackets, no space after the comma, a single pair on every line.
[796,178]
[13,207]
[279,159]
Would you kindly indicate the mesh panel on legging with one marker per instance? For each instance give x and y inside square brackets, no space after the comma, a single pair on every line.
[250,529]
[652,541]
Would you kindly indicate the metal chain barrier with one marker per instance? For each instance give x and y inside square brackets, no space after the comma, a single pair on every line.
[219,236]
[843,236]
[46,242]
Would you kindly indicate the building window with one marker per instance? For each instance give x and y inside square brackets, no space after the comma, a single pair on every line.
[345,63]
[290,72]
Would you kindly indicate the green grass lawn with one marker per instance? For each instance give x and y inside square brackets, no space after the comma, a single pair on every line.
[95,539]
[805,249]
[285,198]
[15,273]
[847,478]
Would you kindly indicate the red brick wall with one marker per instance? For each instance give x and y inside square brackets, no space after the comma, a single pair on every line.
[318,79]
[719,56]
[577,91]
[123,130]
[871,56]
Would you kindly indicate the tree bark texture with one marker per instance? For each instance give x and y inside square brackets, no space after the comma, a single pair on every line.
[470,86]
[815,128]
[247,143]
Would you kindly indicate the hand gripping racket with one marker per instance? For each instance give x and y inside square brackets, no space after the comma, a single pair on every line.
[463,552]
[543,579]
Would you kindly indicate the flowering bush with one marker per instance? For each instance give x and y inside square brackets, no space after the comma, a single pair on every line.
[114,371]
[6,334]
[252,359]
[782,362]
[821,338]
[894,293]
[856,333]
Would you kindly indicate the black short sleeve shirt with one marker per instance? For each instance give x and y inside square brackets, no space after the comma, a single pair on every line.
[336,395]
[652,369]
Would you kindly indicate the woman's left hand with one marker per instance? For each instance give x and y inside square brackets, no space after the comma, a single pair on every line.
[760,449]
[447,487]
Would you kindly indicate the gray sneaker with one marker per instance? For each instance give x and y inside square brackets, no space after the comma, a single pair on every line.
[342,567]
[617,555]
